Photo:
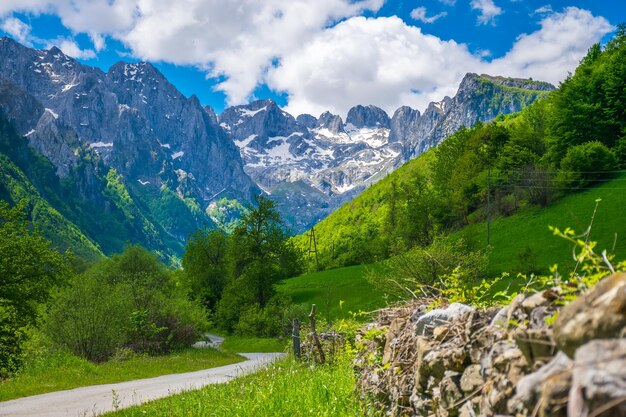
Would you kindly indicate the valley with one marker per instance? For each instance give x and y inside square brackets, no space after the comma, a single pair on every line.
[289,252]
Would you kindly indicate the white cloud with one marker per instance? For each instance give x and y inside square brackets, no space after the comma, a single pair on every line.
[543,10]
[556,48]
[99,43]
[488,11]
[448,2]
[321,53]
[419,13]
[388,63]
[70,48]
[236,40]
[17,29]
[379,61]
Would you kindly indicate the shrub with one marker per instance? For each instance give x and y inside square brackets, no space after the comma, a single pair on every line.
[130,300]
[422,271]
[89,318]
[586,163]
[29,269]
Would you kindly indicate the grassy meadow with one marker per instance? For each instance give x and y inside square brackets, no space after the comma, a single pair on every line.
[62,371]
[286,388]
[337,292]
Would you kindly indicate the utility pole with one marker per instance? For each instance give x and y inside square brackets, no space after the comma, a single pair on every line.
[312,249]
[488,200]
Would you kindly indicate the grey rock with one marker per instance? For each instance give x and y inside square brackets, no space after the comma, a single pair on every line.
[331,122]
[401,123]
[471,378]
[529,387]
[307,120]
[598,314]
[427,322]
[367,116]
[599,380]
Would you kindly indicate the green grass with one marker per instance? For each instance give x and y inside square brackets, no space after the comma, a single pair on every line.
[286,388]
[529,229]
[337,292]
[61,371]
[509,237]
[238,344]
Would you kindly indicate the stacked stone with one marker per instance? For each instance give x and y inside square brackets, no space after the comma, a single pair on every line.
[460,361]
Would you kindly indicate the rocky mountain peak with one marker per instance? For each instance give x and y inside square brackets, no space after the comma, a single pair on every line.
[307,120]
[367,116]
[471,80]
[331,122]
[211,113]
[259,121]
[401,122]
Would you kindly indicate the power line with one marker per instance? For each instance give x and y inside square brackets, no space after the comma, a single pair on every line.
[561,179]
[557,188]
[567,172]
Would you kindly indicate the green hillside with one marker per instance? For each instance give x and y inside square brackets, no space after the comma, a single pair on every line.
[568,142]
[511,237]
[93,211]
[527,231]
[337,292]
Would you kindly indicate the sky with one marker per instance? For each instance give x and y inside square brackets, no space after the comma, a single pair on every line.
[316,55]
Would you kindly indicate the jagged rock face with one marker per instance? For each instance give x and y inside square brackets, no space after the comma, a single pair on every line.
[330,122]
[401,123]
[133,117]
[340,159]
[307,121]
[367,116]
[479,98]
[309,167]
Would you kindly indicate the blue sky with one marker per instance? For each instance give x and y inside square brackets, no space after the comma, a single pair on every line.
[314,55]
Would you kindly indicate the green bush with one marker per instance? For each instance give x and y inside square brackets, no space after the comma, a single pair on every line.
[586,163]
[272,320]
[422,271]
[29,270]
[131,301]
[89,318]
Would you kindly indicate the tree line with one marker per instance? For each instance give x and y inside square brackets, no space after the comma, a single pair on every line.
[133,303]
[572,139]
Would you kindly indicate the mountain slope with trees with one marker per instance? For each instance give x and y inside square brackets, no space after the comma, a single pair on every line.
[572,139]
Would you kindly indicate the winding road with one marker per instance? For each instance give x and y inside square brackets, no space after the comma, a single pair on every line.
[98,399]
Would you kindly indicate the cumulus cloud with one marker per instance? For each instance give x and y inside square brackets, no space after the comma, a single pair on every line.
[235,40]
[419,14]
[70,48]
[556,48]
[388,63]
[322,54]
[379,61]
[488,11]
[17,29]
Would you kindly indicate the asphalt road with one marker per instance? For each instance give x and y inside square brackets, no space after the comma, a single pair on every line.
[98,399]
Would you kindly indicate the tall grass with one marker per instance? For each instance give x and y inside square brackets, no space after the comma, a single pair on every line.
[61,371]
[286,388]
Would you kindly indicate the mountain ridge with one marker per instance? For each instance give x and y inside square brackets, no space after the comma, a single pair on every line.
[130,143]
[329,161]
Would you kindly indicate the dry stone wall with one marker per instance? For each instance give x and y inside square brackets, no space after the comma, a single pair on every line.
[512,361]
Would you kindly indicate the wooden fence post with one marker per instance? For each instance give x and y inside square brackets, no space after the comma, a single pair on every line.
[316,340]
[296,338]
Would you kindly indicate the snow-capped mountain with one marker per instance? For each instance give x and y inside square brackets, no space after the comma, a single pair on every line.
[176,159]
[312,165]
[126,135]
